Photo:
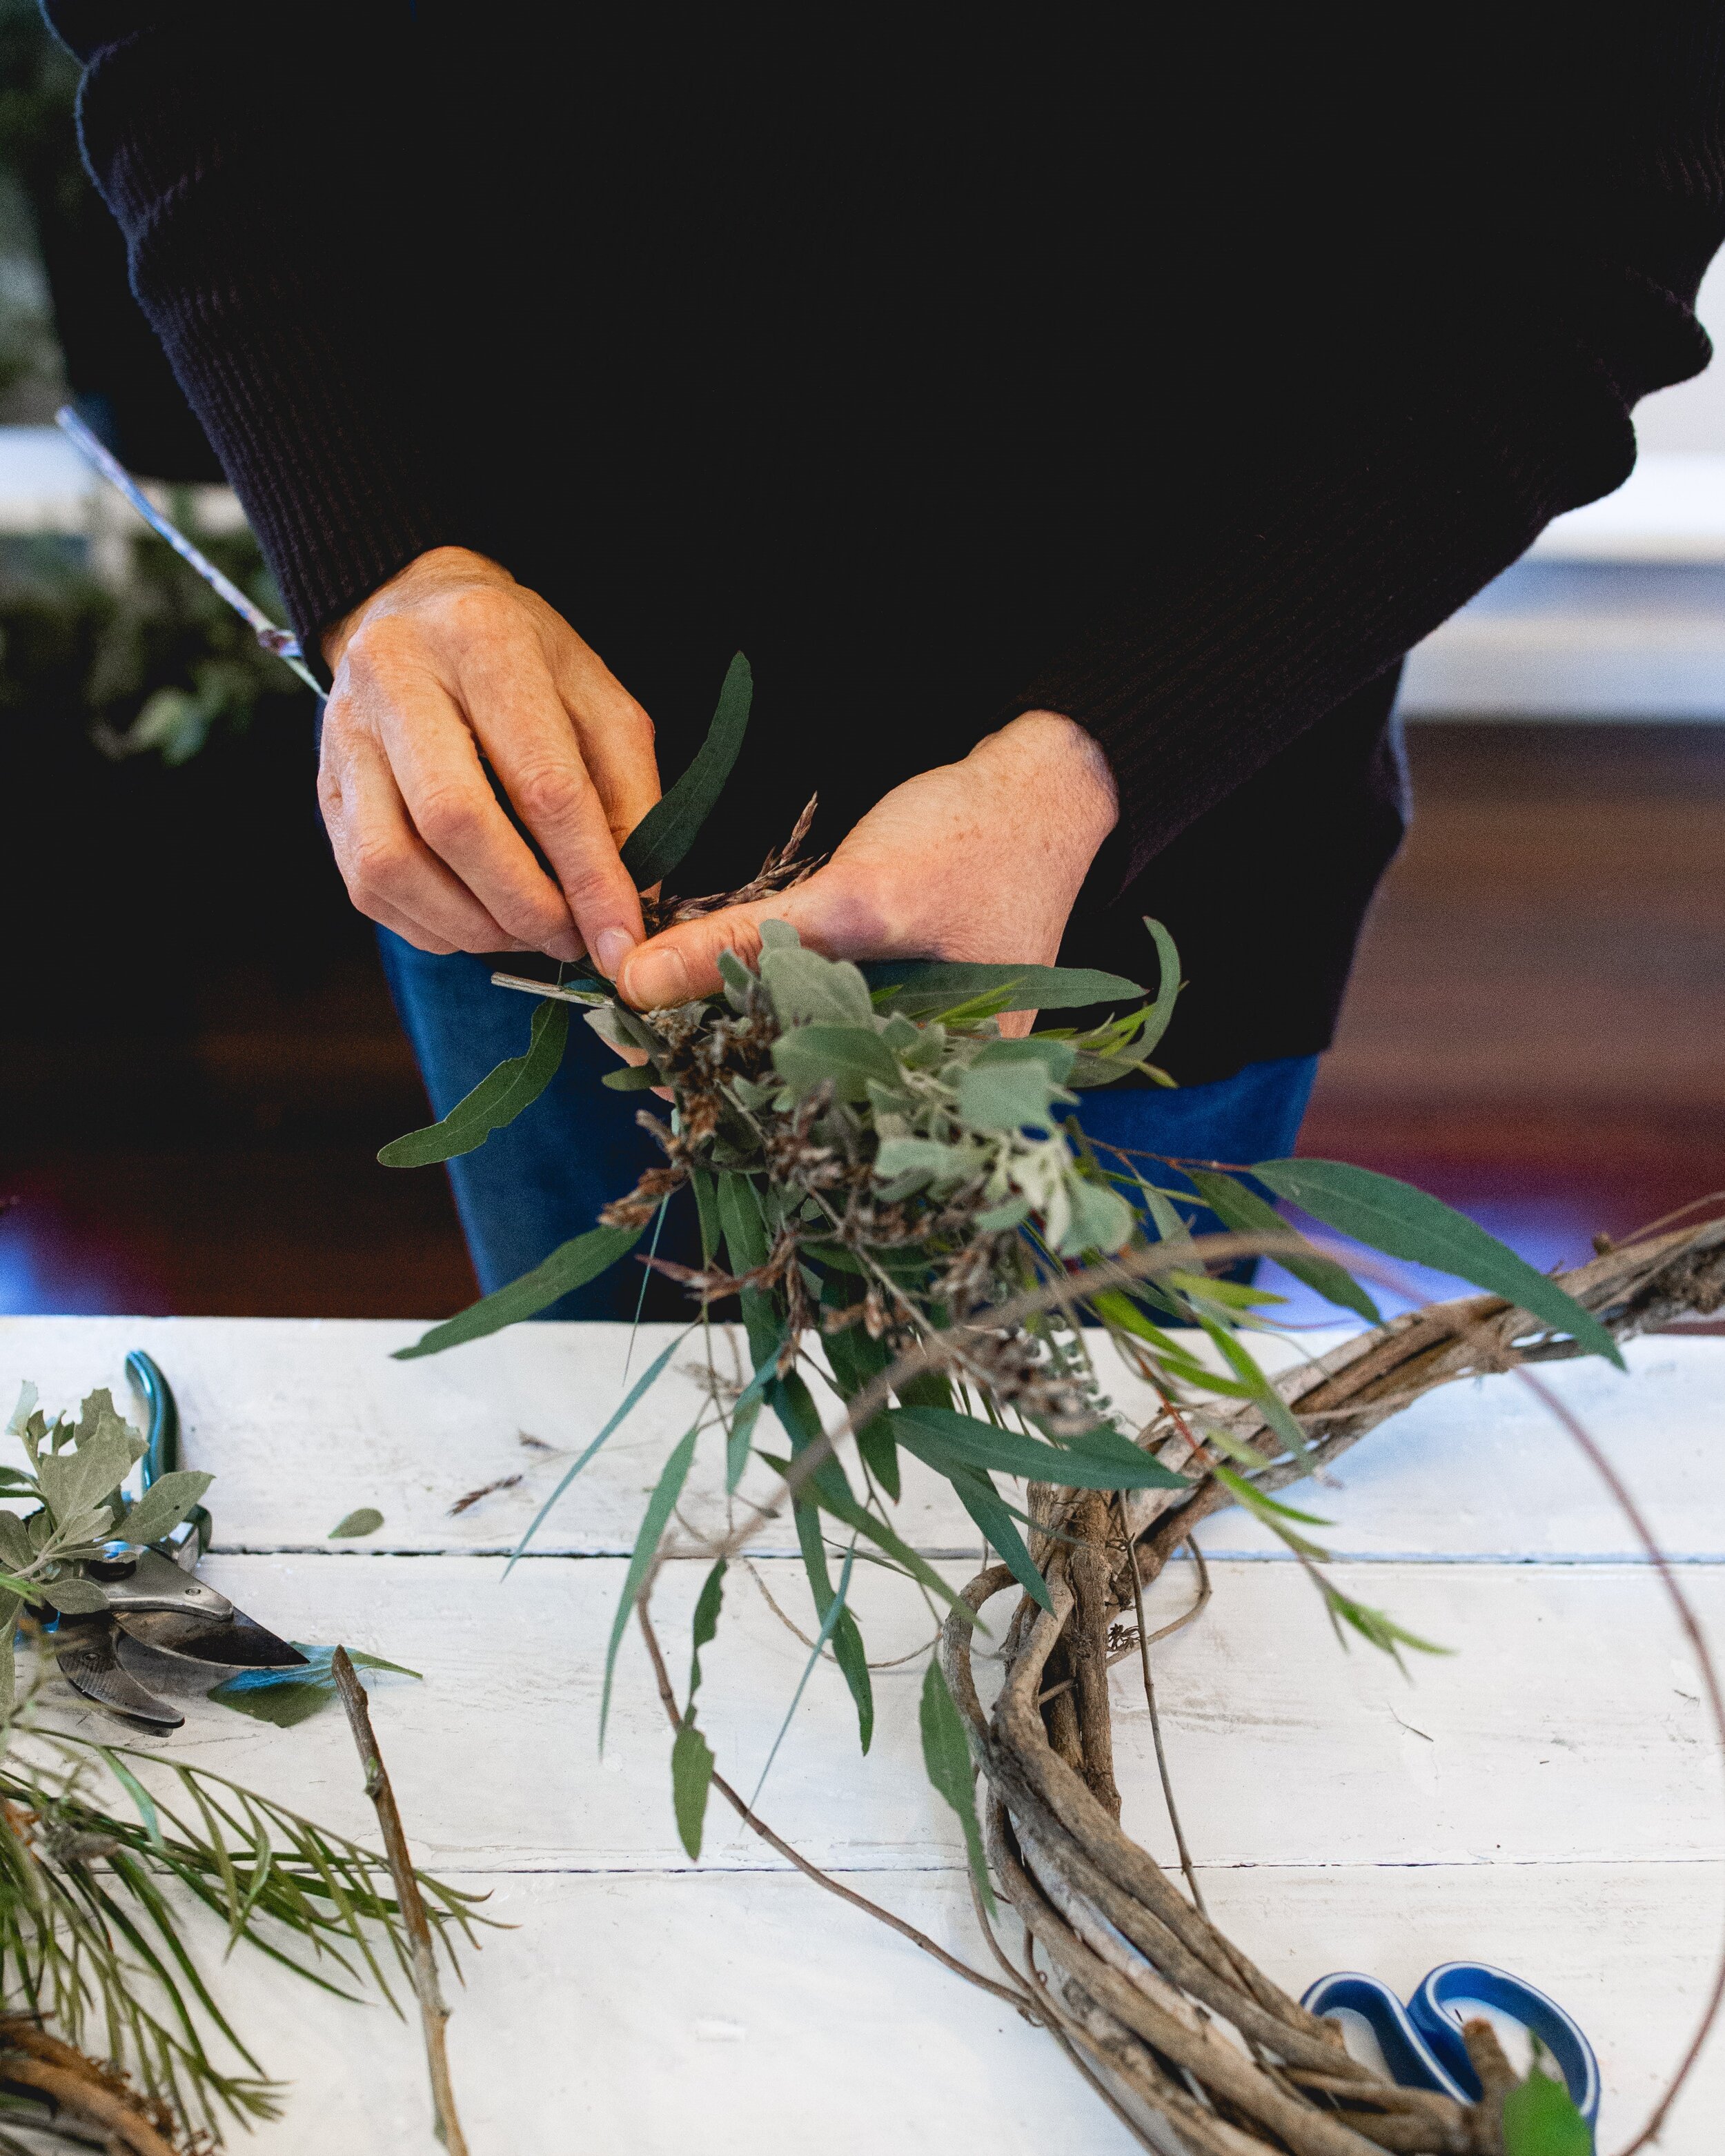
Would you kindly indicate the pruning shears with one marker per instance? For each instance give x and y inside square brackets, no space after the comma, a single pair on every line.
[1421,2043]
[154,1595]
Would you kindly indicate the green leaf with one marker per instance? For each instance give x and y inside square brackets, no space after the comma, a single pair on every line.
[666,1493]
[982,1501]
[925,986]
[10,1604]
[946,1754]
[848,1056]
[1100,1219]
[1243,1210]
[287,1697]
[705,1628]
[633,1078]
[1100,1459]
[836,1622]
[691,1778]
[1404,1223]
[72,1597]
[497,1099]
[366,1521]
[570,1265]
[162,1506]
[1540,2119]
[658,842]
[1168,988]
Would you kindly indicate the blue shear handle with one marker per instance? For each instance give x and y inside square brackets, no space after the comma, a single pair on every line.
[162,1455]
[1440,2005]
[1411,2061]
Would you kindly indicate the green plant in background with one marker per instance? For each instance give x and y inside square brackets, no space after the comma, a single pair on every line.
[154,664]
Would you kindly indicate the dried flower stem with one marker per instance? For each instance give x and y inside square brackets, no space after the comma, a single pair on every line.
[434,2014]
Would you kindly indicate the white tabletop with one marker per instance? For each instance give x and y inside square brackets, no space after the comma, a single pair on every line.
[1546,1797]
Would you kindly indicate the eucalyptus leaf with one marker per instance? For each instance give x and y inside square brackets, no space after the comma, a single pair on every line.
[666,1493]
[924,987]
[497,1099]
[1242,1209]
[1393,1217]
[658,842]
[946,1755]
[691,1778]
[570,1265]
[1100,1459]
[982,1501]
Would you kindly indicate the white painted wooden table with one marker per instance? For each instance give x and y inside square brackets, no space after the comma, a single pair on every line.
[1545,1799]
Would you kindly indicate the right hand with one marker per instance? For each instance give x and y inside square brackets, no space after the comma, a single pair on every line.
[450,658]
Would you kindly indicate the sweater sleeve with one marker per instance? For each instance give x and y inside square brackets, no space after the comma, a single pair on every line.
[253,185]
[1505,380]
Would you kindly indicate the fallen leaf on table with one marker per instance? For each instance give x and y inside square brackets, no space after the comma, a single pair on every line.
[366,1521]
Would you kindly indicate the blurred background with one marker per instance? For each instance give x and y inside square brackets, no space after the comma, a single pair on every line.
[197,1057]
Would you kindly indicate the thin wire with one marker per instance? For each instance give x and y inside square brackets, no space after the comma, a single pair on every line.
[279,643]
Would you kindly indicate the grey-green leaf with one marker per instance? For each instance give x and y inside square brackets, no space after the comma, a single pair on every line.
[497,1099]
[73,1596]
[162,1506]
[366,1521]
[806,987]
[570,1265]
[1243,1210]
[847,1056]
[946,1755]
[670,827]
[1404,1223]
[1006,1096]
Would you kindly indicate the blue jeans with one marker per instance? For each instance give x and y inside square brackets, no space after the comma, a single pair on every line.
[544,1179]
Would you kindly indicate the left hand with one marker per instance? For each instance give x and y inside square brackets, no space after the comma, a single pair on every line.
[979,860]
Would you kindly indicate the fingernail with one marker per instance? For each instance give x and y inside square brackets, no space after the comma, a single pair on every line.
[657,980]
[611,946]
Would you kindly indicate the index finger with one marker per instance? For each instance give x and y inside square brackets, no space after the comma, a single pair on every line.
[533,747]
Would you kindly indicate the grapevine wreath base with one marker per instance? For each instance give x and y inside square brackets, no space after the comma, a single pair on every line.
[1131,1976]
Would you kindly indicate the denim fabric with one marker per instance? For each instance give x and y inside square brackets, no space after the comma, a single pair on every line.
[544,1179]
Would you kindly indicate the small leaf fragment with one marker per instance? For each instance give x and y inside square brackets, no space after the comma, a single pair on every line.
[366,1521]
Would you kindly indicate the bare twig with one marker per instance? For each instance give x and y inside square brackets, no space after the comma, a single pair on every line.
[758,1825]
[1716,1703]
[434,2014]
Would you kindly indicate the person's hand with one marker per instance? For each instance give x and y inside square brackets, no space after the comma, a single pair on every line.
[978,861]
[452,659]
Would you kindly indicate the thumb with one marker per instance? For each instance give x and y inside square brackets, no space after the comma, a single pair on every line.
[682,962]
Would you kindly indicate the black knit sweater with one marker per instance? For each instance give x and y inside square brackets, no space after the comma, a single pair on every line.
[950,365]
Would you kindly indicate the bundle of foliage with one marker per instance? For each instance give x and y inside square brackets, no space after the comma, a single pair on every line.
[911,1223]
